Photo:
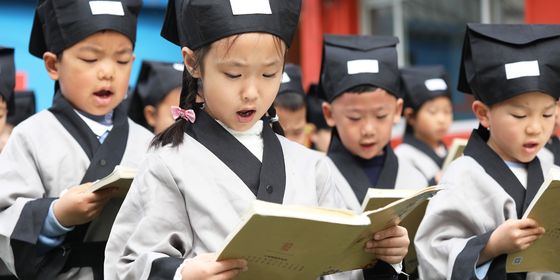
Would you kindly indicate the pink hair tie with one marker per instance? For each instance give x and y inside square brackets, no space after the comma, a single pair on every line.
[178,112]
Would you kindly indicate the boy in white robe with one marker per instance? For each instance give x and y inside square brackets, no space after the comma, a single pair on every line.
[51,227]
[361,82]
[429,114]
[471,226]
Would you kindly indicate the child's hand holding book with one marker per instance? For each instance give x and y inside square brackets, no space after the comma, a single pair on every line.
[79,206]
[205,266]
[389,245]
[510,237]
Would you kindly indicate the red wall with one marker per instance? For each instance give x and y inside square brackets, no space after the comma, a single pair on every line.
[542,11]
[318,17]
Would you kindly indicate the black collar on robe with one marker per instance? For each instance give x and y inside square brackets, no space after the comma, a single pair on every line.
[267,180]
[351,168]
[499,171]
[553,146]
[103,157]
[423,147]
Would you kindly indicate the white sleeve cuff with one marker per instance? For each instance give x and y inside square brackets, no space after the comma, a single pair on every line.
[397,267]
[178,275]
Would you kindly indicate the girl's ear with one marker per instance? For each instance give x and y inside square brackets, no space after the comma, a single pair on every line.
[328,114]
[51,65]
[398,110]
[482,113]
[189,59]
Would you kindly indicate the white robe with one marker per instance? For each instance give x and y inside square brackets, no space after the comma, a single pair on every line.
[41,160]
[185,200]
[460,219]
[418,159]
[395,174]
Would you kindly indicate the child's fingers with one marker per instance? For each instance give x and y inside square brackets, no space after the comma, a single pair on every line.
[102,195]
[527,223]
[393,242]
[538,231]
[226,275]
[233,264]
[394,231]
[525,242]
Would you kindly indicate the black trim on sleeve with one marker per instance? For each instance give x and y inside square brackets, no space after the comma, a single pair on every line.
[164,268]
[382,271]
[29,262]
[465,263]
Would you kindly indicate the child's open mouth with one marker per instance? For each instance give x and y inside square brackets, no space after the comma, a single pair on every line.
[367,145]
[245,116]
[530,147]
[103,97]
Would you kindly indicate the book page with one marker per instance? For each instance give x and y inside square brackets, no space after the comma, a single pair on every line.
[291,248]
[455,150]
[378,198]
[544,254]
[121,178]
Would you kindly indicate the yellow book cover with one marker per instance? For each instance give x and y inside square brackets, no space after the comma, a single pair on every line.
[295,242]
[377,198]
[455,150]
[544,254]
[120,178]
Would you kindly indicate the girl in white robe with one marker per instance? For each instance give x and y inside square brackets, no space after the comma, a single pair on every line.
[219,156]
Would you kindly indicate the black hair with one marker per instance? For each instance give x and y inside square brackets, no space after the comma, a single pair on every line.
[174,134]
[290,100]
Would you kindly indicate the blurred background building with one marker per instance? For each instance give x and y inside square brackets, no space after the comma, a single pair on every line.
[430,32]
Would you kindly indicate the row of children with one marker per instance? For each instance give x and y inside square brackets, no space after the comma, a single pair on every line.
[223,151]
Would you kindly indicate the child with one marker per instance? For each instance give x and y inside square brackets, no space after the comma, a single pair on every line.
[429,113]
[471,225]
[51,227]
[221,155]
[158,89]
[290,105]
[7,84]
[320,135]
[360,81]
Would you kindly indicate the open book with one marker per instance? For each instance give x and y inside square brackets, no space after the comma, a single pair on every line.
[455,150]
[544,254]
[295,242]
[120,178]
[376,198]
